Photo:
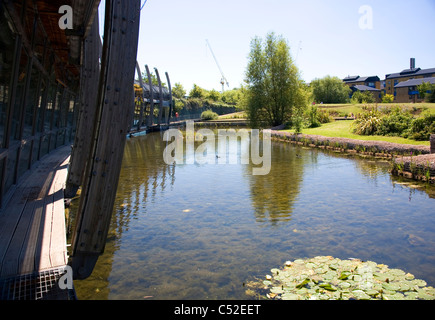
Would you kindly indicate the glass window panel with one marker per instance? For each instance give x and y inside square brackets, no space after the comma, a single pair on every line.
[57,104]
[10,169]
[33,95]
[7,48]
[44,146]
[23,165]
[49,107]
[19,96]
[41,100]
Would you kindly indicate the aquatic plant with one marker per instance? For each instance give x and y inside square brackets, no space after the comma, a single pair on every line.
[328,278]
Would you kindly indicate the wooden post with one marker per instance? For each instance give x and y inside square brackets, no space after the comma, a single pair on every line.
[160,96]
[142,103]
[90,73]
[432,143]
[170,98]
[115,92]
[150,83]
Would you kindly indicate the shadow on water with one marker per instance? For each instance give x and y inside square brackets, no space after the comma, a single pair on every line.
[201,231]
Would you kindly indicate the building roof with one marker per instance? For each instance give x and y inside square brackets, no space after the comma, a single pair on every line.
[360,87]
[410,72]
[351,79]
[414,82]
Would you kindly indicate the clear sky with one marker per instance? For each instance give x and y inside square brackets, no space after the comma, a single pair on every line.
[325,37]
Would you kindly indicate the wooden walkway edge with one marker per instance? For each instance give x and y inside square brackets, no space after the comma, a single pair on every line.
[32,222]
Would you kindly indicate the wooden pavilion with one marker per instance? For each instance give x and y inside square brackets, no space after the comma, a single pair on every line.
[60,86]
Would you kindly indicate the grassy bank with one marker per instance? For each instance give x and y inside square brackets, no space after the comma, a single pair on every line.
[342,129]
[341,110]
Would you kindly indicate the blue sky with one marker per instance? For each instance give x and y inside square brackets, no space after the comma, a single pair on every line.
[325,37]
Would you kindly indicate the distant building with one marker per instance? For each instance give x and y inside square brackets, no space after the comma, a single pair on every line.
[372,81]
[406,91]
[393,79]
[398,84]
[371,84]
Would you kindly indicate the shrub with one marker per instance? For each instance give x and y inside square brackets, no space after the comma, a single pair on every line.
[314,117]
[422,127]
[313,120]
[367,124]
[396,123]
[388,98]
[209,115]
[323,116]
[297,123]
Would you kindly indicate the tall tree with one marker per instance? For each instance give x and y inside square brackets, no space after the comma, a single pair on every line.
[178,90]
[274,92]
[197,92]
[330,90]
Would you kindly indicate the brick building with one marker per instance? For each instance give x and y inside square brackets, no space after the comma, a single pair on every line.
[393,79]
[406,91]
[370,83]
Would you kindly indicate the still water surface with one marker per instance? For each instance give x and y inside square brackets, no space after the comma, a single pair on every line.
[201,231]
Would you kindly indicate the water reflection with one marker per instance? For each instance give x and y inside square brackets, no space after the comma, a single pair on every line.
[200,231]
[273,195]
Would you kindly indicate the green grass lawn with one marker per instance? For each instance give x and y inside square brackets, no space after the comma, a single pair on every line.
[346,109]
[236,115]
[342,129]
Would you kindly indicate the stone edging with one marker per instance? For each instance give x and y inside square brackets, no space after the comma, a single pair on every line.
[411,161]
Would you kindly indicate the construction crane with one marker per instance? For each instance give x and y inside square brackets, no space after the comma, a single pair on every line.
[223,79]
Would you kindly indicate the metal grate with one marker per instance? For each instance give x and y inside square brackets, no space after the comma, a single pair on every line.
[37,286]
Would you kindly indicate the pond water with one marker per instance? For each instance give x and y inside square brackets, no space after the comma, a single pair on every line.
[202,231]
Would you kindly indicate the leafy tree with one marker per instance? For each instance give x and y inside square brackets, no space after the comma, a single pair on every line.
[274,91]
[197,92]
[423,88]
[330,90]
[178,91]
[430,97]
[363,97]
[232,96]
[214,95]
[427,91]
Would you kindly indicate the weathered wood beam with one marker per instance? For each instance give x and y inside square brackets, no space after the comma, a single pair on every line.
[160,96]
[84,12]
[171,103]
[150,83]
[109,136]
[90,73]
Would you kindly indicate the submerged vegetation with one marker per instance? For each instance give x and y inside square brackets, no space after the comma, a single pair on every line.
[328,278]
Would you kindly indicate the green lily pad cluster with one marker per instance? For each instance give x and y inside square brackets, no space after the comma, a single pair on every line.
[328,278]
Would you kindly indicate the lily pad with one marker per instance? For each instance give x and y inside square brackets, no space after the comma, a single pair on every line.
[372,292]
[328,278]
[328,286]
[361,295]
